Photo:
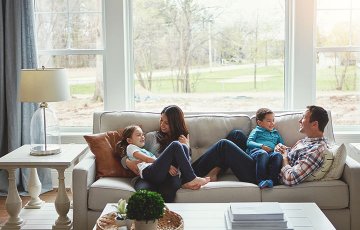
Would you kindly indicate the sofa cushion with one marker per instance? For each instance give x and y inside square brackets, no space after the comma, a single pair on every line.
[206,130]
[227,189]
[109,190]
[108,164]
[337,167]
[332,194]
[325,167]
[220,191]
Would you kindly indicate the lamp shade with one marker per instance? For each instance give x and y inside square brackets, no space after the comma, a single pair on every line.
[44,85]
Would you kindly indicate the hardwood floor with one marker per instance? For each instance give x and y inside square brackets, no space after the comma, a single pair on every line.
[48,197]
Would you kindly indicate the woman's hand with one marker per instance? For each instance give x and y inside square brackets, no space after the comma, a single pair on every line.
[185,140]
[132,165]
[173,171]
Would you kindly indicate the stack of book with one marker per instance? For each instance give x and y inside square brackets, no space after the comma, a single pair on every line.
[256,215]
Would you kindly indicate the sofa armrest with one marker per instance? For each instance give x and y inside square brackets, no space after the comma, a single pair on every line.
[83,177]
[351,176]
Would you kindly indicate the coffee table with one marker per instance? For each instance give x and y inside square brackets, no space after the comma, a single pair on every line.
[210,216]
[21,158]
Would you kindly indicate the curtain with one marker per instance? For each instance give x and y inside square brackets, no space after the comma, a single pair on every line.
[17,51]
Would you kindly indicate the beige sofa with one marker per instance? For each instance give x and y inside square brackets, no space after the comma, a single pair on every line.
[338,199]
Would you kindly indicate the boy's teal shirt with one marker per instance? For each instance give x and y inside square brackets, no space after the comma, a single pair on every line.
[260,136]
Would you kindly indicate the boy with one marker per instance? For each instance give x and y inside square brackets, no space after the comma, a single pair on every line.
[260,146]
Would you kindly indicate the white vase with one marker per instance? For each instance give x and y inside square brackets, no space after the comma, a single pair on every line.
[146,225]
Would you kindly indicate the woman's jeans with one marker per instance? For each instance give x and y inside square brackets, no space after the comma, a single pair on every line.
[227,154]
[268,165]
[170,184]
[175,154]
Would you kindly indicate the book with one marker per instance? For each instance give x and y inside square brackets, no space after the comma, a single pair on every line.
[256,211]
[256,224]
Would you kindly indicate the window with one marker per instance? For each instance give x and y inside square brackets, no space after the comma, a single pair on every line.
[338,60]
[69,34]
[233,55]
[209,55]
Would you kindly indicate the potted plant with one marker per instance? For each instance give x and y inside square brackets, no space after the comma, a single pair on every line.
[145,208]
[121,217]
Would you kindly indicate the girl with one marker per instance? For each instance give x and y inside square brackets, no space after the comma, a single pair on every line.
[155,169]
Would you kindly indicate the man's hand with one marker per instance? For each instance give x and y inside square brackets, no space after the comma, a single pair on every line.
[173,171]
[132,165]
[266,148]
[281,149]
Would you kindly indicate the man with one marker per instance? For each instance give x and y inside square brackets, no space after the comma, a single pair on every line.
[306,155]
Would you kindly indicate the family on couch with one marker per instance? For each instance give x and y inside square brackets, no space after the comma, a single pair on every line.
[294,164]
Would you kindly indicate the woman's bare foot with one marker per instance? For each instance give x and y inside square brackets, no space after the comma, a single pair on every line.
[196,183]
[214,173]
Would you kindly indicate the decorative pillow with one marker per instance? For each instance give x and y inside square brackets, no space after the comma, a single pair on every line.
[108,162]
[337,167]
[325,168]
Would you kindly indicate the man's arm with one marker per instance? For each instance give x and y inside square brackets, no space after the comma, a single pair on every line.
[292,175]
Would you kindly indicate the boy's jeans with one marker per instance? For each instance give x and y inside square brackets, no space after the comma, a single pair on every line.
[268,165]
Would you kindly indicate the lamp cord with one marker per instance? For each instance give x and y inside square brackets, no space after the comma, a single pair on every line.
[45,129]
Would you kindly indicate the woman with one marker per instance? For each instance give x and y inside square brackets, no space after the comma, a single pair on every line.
[155,169]
[172,128]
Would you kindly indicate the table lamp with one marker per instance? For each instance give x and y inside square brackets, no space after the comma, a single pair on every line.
[44,85]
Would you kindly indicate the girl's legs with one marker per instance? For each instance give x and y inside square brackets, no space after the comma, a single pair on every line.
[274,167]
[225,154]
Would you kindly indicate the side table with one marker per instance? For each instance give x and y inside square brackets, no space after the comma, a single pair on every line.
[354,151]
[21,158]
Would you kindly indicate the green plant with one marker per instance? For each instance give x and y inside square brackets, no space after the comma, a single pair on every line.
[145,205]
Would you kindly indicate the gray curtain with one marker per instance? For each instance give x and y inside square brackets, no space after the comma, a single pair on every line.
[17,51]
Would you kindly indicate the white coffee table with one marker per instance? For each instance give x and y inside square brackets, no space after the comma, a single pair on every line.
[210,216]
[21,158]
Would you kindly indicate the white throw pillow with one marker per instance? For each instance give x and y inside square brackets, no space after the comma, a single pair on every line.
[325,168]
[337,166]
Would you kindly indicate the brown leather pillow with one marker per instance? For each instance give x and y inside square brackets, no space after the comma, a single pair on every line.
[103,146]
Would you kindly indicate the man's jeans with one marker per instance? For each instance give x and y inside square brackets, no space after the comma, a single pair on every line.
[227,154]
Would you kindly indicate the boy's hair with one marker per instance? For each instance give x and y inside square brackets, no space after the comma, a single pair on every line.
[320,115]
[122,144]
[262,112]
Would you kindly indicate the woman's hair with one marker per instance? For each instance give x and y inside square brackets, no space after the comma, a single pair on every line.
[122,144]
[177,126]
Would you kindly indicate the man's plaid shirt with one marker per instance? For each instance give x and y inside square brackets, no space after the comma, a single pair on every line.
[304,158]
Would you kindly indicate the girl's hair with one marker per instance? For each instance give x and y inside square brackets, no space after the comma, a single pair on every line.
[122,144]
[177,126]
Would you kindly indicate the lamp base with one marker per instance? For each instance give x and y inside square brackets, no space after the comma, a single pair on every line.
[40,150]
